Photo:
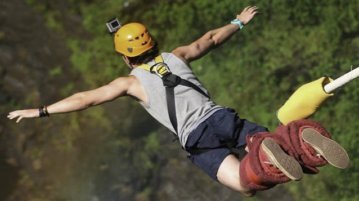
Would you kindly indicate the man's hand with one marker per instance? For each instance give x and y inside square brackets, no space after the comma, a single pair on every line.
[20,114]
[247,14]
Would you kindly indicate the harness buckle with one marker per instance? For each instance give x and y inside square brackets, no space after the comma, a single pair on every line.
[161,69]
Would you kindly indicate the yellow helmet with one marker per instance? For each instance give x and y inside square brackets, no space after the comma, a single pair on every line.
[133,39]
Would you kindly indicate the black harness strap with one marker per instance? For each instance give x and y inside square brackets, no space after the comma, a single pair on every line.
[171,106]
[195,87]
[170,81]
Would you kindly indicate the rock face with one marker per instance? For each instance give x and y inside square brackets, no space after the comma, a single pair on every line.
[29,53]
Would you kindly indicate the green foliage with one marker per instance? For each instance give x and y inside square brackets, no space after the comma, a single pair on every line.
[51,21]
[285,46]
[288,44]
[57,70]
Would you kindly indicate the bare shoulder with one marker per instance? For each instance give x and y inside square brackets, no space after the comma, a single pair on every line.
[126,81]
[180,52]
[120,85]
[136,90]
[133,81]
[124,86]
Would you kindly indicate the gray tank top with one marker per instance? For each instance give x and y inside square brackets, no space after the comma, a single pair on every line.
[192,108]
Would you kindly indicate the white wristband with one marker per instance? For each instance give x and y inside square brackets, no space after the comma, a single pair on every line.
[237,22]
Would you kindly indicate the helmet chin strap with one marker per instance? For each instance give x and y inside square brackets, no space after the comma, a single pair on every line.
[130,66]
[125,59]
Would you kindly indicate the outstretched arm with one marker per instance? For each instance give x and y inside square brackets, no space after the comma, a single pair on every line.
[213,38]
[81,100]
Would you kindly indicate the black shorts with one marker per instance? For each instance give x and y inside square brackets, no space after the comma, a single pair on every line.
[222,127]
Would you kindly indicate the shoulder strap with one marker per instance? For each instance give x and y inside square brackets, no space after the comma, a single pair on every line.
[158,59]
[170,81]
[159,68]
[171,107]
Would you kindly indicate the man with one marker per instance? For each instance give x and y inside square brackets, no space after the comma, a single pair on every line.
[167,88]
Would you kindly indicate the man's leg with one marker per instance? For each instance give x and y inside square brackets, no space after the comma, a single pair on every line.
[266,165]
[228,175]
[207,151]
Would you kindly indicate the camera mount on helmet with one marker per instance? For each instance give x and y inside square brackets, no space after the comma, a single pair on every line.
[113,25]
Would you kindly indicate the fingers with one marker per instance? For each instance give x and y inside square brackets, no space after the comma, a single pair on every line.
[247,14]
[251,9]
[20,114]
[12,115]
[19,119]
[246,8]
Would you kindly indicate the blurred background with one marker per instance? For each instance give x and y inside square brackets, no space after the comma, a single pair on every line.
[116,152]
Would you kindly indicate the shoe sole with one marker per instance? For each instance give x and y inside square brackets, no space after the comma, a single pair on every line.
[330,150]
[285,163]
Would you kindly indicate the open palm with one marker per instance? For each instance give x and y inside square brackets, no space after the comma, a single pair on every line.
[247,14]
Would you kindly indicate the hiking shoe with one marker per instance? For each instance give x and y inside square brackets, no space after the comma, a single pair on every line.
[285,163]
[329,149]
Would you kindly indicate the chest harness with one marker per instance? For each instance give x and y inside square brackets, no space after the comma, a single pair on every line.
[170,81]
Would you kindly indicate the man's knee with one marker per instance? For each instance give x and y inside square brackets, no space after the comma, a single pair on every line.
[228,175]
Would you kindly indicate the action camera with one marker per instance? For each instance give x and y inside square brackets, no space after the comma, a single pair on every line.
[113,25]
